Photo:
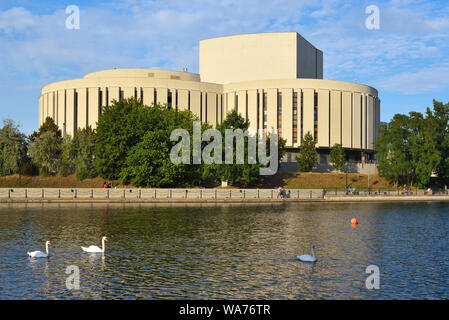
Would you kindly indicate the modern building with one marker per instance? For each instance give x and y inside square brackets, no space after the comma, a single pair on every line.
[275,80]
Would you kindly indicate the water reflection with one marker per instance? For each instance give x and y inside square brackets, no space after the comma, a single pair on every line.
[221,251]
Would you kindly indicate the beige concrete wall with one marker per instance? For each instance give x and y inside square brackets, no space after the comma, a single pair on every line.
[183,99]
[308,112]
[272,109]
[70,112]
[252,109]
[335,117]
[148,96]
[94,107]
[364,119]
[82,108]
[346,119]
[356,120]
[212,108]
[371,117]
[287,115]
[241,99]
[323,118]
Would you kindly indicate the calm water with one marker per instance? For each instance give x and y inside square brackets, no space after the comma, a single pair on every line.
[226,251]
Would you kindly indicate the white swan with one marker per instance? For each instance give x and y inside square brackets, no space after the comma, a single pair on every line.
[307,257]
[40,254]
[95,248]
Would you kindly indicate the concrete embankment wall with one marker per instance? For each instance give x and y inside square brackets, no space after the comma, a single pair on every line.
[48,195]
[156,195]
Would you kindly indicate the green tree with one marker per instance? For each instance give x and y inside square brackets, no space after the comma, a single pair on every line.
[148,163]
[45,152]
[84,150]
[308,155]
[407,150]
[246,173]
[13,149]
[49,125]
[438,124]
[120,127]
[68,156]
[338,157]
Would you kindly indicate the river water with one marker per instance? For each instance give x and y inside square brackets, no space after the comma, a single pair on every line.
[225,251]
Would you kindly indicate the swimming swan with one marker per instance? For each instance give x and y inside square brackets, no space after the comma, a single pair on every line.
[307,257]
[40,254]
[95,248]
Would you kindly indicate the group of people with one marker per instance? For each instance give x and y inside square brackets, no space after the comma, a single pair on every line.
[281,193]
[352,191]
[107,185]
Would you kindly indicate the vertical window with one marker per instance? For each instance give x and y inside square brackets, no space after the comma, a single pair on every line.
[120,94]
[75,122]
[279,113]
[176,99]
[100,102]
[155,96]
[315,116]
[201,106]
[258,111]
[141,95]
[301,113]
[169,99]
[236,97]
[295,117]
[264,102]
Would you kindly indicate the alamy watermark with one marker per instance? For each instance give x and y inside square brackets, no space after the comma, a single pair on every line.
[72,282]
[373,280]
[72,22]
[213,153]
[372,22]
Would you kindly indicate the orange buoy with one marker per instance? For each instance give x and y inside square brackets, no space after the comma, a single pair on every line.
[354,221]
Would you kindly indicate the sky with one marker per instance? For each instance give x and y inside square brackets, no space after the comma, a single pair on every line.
[406,59]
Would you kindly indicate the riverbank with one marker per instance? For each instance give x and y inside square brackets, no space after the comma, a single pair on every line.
[97,195]
[288,180]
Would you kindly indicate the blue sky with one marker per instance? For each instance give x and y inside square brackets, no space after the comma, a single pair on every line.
[407,59]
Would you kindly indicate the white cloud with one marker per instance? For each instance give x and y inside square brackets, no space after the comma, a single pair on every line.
[427,80]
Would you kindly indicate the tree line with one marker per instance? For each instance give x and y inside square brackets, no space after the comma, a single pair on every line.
[131,144]
[411,148]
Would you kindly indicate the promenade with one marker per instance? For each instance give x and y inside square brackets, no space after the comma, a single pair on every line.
[99,195]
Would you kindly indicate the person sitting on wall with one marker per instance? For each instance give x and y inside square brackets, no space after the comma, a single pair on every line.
[109,185]
[105,185]
[429,191]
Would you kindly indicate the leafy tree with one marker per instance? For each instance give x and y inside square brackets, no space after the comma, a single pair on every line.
[148,163]
[246,174]
[84,149]
[13,149]
[49,125]
[338,157]
[438,124]
[120,127]
[45,151]
[68,155]
[308,155]
[407,149]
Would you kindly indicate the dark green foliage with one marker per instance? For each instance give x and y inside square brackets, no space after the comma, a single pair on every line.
[13,149]
[245,174]
[49,125]
[338,157]
[84,148]
[411,147]
[308,155]
[148,162]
